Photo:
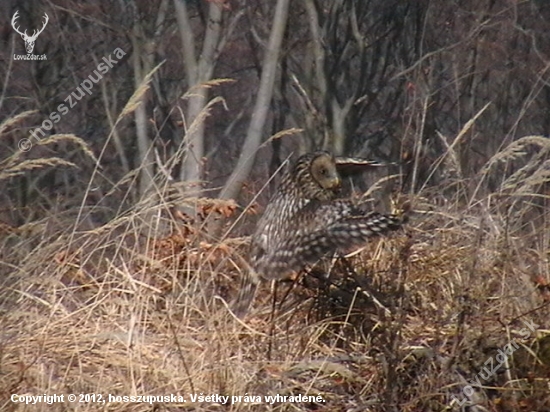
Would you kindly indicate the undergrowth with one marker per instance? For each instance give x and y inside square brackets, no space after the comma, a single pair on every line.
[138,305]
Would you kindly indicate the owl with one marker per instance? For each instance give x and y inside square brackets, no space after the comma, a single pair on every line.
[305,221]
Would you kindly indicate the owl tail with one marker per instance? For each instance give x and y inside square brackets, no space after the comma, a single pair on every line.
[247,291]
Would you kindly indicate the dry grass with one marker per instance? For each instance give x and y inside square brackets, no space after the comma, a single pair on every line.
[137,307]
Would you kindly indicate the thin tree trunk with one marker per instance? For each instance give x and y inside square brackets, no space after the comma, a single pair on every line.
[197,72]
[255,130]
[142,65]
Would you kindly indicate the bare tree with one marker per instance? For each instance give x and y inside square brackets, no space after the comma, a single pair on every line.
[256,127]
[354,51]
[197,70]
[144,36]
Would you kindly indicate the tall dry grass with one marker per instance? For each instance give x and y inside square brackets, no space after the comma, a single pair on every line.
[137,305]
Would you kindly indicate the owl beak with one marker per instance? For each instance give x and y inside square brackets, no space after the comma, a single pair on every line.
[336,182]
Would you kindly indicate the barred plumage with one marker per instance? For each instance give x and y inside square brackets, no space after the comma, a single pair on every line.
[304,221]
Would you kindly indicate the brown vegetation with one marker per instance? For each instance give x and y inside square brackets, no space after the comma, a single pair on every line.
[113,281]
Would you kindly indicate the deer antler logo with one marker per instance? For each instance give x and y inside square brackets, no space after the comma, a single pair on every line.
[29,40]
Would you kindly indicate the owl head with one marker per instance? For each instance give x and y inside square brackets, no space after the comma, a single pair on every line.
[317,176]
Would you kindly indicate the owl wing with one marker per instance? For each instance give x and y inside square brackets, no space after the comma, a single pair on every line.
[348,166]
[307,247]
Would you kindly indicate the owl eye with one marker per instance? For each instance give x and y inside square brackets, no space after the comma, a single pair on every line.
[324,172]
